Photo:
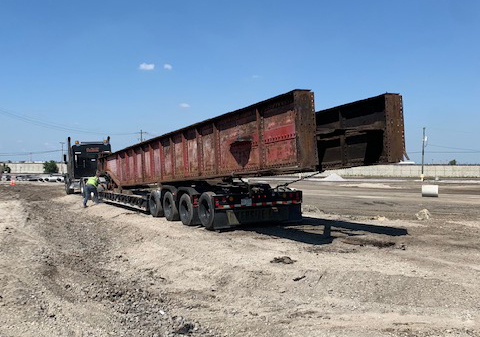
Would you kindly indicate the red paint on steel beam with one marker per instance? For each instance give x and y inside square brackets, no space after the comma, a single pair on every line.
[127,164]
[279,133]
[152,160]
[185,155]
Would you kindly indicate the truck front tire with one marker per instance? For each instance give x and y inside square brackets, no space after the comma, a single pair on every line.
[68,190]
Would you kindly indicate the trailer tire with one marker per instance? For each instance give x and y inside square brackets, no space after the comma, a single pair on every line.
[169,208]
[82,188]
[155,204]
[185,210]
[206,210]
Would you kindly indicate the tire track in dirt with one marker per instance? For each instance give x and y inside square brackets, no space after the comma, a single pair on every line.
[55,283]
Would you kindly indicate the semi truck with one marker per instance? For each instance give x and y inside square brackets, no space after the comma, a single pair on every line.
[81,160]
[200,174]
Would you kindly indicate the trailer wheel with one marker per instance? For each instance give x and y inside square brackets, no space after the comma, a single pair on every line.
[185,209]
[169,207]
[206,210]
[155,204]
[82,188]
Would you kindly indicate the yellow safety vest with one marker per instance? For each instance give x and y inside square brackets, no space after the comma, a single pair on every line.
[92,181]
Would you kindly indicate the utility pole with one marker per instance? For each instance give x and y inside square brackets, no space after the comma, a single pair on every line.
[423,152]
[61,161]
[141,136]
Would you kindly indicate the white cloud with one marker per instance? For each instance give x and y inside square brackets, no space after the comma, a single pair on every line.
[146,66]
[167,66]
[184,105]
[256,76]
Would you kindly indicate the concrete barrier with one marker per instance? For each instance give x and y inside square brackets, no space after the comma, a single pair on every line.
[408,171]
[31,167]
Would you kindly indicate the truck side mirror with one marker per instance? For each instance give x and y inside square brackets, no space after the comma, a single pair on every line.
[65,158]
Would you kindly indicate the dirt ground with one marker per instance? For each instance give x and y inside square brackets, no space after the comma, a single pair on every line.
[111,271]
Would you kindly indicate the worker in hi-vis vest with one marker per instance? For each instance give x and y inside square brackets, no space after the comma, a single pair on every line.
[91,187]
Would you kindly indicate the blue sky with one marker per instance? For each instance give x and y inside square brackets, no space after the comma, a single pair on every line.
[77,63]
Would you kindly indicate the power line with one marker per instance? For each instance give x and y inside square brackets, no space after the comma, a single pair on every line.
[142,133]
[27,153]
[461,150]
[55,126]
[454,148]
[150,134]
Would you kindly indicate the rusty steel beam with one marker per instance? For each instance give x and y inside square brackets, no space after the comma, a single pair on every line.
[276,136]
[281,135]
[365,132]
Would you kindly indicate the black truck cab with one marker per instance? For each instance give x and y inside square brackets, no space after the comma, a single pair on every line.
[81,162]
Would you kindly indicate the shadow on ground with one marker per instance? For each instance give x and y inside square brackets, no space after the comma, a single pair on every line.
[313,231]
[316,231]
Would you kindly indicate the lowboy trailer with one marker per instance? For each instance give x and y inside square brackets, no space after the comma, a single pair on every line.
[197,174]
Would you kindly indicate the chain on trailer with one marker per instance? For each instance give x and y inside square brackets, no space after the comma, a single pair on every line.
[297,180]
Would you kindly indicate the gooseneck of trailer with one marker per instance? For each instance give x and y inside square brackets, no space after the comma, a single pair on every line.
[197,174]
